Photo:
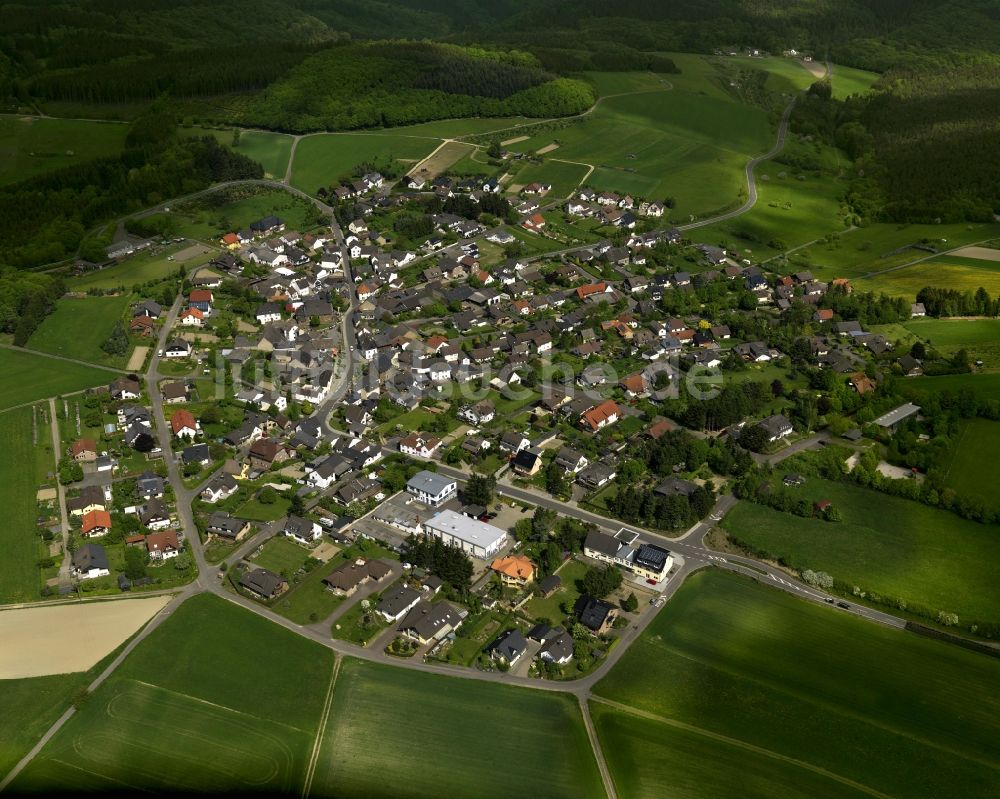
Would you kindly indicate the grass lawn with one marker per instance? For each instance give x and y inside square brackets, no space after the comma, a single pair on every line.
[270,150]
[193,710]
[977,447]
[981,337]
[396,732]
[896,547]
[679,143]
[256,511]
[962,274]
[198,220]
[416,420]
[550,608]
[326,159]
[786,75]
[650,759]
[876,247]
[984,385]
[281,555]
[39,377]
[19,574]
[898,713]
[564,177]
[30,146]
[153,264]
[78,327]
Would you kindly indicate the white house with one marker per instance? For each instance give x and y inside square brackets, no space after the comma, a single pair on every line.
[302,530]
[432,488]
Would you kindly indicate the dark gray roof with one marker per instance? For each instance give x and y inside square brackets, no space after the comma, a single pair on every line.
[509,646]
[90,556]
[261,581]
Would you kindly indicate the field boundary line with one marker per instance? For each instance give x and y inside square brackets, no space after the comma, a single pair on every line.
[644,714]
[595,746]
[96,774]
[324,717]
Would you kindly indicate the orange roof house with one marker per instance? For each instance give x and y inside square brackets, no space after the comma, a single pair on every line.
[97,522]
[181,421]
[514,569]
[582,292]
[862,383]
[85,449]
[200,295]
[600,416]
[634,384]
[231,240]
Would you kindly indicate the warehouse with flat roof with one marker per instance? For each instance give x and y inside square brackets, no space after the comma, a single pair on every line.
[472,536]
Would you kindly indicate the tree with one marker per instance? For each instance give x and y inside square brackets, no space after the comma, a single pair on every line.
[296,506]
[555,479]
[631,603]
[599,582]
[753,437]
[267,496]
[479,489]
[117,343]
[135,563]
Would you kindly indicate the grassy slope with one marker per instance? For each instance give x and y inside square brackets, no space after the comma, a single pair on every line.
[215,699]
[19,576]
[977,447]
[270,150]
[78,327]
[904,715]
[138,269]
[893,546]
[325,159]
[963,274]
[848,80]
[423,735]
[563,177]
[35,377]
[30,147]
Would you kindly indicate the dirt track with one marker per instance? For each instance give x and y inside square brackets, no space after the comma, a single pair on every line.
[68,638]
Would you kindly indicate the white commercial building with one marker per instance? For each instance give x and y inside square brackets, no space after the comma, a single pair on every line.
[472,536]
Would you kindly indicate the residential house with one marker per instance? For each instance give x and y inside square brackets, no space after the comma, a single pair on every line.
[508,648]
[419,445]
[302,530]
[263,583]
[226,526]
[95,523]
[429,622]
[432,488]
[776,427]
[397,602]
[84,450]
[183,424]
[600,416]
[514,570]
[90,561]
[350,575]
[163,546]
[595,614]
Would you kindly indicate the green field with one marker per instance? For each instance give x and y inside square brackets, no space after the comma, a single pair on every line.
[968,472]
[551,607]
[848,80]
[78,327]
[962,274]
[652,759]
[740,666]
[215,700]
[395,732]
[655,144]
[896,547]
[31,146]
[326,159]
[205,222]
[981,337]
[785,75]
[874,248]
[563,176]
[19,574]
[460,128]
[986,386]
[38,377]
[155,264]
[270,150]
[282,556]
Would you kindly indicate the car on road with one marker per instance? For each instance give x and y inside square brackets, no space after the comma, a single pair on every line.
[843,605]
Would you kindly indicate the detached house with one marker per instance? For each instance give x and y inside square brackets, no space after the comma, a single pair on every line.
[600,416]
[95,523]
[183,424]
[419,445]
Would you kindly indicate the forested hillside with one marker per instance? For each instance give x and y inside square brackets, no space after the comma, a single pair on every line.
[396,83]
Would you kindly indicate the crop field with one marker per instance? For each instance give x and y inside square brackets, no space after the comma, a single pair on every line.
[609,83]
[190,711]
[326,159]
[270,150]
[39,377]
[563,176]
[876,247]
[809,688]
[19,577]
[154,264]
[962,274]
[424,735]
[978,446]
[30,146]
[896,547]
[981,337]
[459,128]
[650,759]
[443,159]
[78,327]
[665,143]
[984,385]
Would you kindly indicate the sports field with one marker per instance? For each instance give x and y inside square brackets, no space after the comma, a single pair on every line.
[19,575]
[326,159]
[658,143]
[395,732]
[78,327]
[214,700]
[30,146]
[749,670]
[39,377]
[968,472]
[893,546]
